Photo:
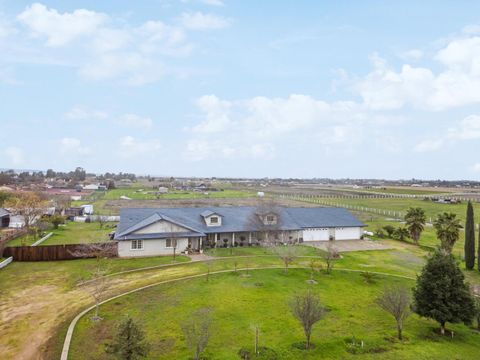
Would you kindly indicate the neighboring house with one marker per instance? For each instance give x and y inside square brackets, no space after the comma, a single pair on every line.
[150,232]
[4,218]
[17,221]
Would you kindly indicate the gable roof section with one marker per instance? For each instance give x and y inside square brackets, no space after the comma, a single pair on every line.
[3,212]
[155,217]
[207,213]
[235,219]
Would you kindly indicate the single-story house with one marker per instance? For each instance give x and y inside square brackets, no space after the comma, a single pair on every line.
[4,218]
[158,231]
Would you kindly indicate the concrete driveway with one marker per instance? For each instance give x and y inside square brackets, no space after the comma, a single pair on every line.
[349,245]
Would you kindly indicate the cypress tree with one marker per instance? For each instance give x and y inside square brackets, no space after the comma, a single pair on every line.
[478,255]
[441,293]
[469,238]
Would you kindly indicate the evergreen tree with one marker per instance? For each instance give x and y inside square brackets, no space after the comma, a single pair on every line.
[441,293]
[470,238]
[478,248]
[129,343]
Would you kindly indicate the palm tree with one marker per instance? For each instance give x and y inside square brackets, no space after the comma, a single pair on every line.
[415,220]
[448,228]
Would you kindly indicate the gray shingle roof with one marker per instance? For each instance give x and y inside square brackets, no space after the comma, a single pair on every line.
[3,212]
[234,219]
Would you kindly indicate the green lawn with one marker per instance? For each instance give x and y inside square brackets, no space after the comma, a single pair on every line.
[238,303]
[70,233]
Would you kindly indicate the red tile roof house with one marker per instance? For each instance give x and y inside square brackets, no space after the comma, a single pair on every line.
[155,231]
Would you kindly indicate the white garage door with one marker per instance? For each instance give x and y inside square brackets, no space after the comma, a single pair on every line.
[315,234]
[349,233]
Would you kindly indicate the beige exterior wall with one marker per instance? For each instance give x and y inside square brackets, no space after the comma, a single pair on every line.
[153,247]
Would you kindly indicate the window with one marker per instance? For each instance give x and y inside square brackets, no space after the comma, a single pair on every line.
[214,220]
[137,245]
[270,218]
[170,243]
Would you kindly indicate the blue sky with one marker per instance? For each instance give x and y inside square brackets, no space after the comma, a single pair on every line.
[370,89]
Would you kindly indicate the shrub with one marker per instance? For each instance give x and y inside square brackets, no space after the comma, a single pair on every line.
[368,277]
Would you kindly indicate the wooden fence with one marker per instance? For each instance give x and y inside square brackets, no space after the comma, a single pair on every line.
[53,252]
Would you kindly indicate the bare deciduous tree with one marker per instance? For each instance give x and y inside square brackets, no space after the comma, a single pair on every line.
[330,256]
[102,220]
[287,253]
[97,284]
[396,301]
[196,330]
[308,310]
[314,266]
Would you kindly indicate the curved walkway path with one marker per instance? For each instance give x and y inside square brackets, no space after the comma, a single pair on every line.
[71,327]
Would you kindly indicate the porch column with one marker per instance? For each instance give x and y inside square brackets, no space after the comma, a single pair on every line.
[200,242]
[233,239]
[250,238]
[216,239]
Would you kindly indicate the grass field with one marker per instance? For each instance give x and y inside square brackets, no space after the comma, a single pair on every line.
[238,303]
[408,190]
[149,194]
[394,204]
[70,233]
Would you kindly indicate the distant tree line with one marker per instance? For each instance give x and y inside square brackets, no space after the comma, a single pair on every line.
[10,177]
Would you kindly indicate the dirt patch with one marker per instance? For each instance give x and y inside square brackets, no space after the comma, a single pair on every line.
[115,205]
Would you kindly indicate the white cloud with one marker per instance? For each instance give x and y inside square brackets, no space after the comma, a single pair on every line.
[131,147]
[81,113]
[213,2]
[73,146]
[475,168]
[60,28]
[412,55]
[456,84]
[257,127]
[15,155]
[466,129]
[429,145]
[110,48]
[201,21]
[135,120]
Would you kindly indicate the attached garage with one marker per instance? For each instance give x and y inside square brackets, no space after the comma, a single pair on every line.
[339,233]
[316,234]
[348,233]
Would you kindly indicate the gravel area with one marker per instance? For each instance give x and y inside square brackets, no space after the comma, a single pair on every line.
[349,245]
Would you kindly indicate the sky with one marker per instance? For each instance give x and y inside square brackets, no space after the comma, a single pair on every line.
[357,89]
